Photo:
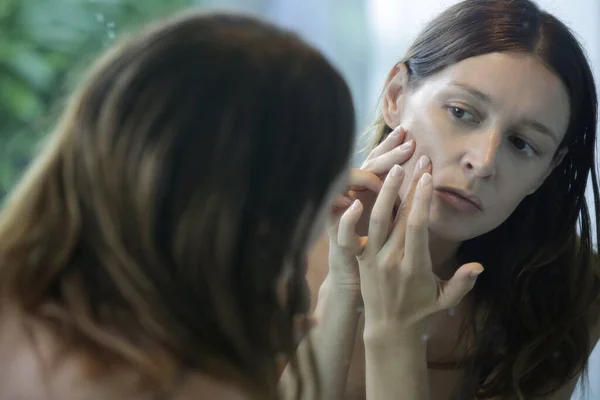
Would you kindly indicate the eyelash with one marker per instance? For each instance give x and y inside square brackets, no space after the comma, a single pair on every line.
[453,110]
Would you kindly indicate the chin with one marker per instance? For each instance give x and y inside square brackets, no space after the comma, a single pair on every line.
[451,232]
[453,228]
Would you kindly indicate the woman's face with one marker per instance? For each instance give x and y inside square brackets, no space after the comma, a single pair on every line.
[491,126]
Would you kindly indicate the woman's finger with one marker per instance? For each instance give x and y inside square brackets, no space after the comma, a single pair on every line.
[358,180]
[416,250]
[341,202]
[383,163]
[364,180]
[398,236]
[381,215]
[392,140]
[347,237]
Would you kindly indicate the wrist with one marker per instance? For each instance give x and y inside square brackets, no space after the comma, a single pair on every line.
[344,295]
[339,300]
[341,285]
[383,332]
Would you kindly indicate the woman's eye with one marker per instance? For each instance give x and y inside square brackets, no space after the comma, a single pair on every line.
[461,114]
[522,146]
[519,144]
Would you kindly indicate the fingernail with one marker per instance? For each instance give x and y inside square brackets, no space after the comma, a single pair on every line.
[396,170]
[356,205]
[396,132]
[407,145]
[475,272]
[425,179]
[423,162]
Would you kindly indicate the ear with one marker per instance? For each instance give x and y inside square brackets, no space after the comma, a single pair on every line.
[393,95]
[558,158]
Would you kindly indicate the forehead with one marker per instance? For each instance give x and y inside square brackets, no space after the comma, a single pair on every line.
[519,85]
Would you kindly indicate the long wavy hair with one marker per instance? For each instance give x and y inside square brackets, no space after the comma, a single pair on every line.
[541,276]
[178,189]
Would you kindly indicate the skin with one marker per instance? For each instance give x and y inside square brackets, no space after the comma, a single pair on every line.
[486,146]
[26,375]
[491,146]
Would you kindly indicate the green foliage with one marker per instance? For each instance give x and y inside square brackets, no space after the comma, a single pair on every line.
[43,46]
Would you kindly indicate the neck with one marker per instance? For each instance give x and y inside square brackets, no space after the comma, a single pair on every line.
[443,255]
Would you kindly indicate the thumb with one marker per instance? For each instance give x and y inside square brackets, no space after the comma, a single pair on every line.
[459,285]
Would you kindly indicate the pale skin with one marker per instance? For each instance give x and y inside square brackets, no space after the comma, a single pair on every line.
[490,126]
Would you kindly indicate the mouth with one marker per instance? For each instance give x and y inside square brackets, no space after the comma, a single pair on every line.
[459,199]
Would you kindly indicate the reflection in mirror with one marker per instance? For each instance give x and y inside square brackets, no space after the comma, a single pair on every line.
[500,101]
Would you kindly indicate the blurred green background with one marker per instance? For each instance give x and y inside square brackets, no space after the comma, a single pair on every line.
[45,45]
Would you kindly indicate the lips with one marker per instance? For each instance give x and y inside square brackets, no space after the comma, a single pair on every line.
[460,198]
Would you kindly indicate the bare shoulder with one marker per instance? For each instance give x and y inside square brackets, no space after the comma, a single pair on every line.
[24,374]
[21,373]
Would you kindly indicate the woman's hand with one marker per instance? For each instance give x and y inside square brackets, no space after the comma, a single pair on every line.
[398,285]
[343,267]
[364,185]
[393,150]
[332,340]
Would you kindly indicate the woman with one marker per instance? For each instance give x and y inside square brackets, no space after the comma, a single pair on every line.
[501,104]
[128,253]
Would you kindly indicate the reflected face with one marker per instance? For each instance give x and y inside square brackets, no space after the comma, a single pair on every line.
[491,126]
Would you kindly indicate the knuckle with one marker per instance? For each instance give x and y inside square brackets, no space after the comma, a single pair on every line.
[378,219]
[403,212]
[415,227]
[412,276]
[344,247]
[387,262]
[341,240]
[402,153]
[409,277]
[345,242]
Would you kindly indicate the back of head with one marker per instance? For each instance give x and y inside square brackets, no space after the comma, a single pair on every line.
[540,276]
[178,189]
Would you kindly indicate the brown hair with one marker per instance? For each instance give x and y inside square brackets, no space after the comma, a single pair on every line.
[541,277]
[183,176]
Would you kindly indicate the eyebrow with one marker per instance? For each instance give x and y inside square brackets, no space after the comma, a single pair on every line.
[484,97]
[538,126]
[474,92]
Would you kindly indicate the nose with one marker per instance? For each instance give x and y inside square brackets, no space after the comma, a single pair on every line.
[480,157]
